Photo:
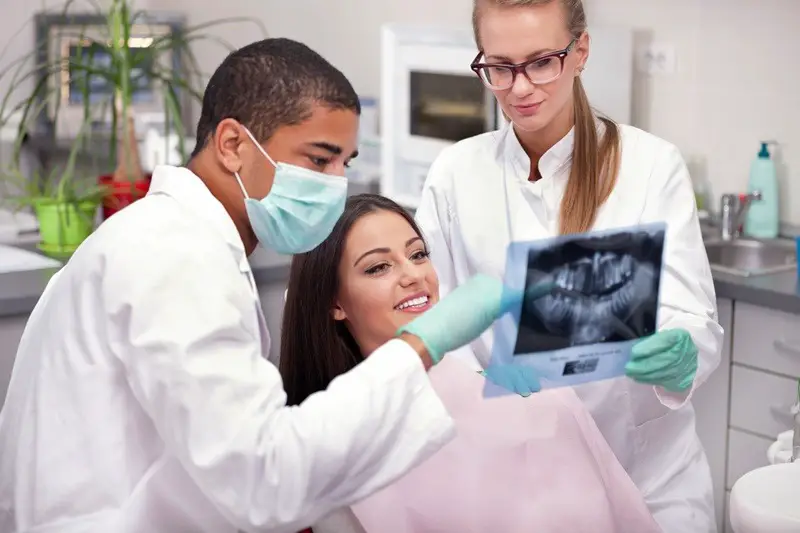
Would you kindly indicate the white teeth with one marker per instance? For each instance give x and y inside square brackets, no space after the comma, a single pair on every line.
[416,302]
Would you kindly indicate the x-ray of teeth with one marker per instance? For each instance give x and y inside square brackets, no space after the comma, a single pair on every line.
[589,297]
[605,289]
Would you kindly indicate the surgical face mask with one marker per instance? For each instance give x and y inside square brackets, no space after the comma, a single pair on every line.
[300,210]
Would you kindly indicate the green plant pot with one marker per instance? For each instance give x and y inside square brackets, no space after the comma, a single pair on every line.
[63,226]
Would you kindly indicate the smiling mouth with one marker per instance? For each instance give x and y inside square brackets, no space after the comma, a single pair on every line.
[414,304]
[594,297]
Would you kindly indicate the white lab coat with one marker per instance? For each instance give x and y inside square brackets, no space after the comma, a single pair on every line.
[140,400]
[463,213]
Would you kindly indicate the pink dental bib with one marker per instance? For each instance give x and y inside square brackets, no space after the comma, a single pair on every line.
[518,465]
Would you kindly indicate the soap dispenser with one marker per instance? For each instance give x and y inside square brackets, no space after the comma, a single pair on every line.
[762,220]
[796,433]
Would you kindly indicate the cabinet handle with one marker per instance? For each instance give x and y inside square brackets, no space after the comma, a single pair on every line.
[783,414]
[787,347]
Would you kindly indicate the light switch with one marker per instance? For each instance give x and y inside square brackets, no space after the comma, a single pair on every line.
[657,59]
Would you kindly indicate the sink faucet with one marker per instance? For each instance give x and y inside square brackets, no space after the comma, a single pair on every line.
[731,213]
[796,434]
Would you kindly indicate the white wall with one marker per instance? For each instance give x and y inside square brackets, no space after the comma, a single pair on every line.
[736,82]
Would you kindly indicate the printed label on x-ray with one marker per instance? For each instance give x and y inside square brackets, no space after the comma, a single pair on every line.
[588,299]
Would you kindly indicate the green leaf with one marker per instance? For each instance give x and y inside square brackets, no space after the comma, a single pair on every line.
[125,69]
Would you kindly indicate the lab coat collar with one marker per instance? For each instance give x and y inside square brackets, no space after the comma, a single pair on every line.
[189,190]
[550,164]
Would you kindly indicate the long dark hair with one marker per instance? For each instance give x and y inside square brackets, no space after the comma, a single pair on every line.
[315,348]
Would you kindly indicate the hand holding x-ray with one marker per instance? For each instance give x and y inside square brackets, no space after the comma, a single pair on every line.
[520,379]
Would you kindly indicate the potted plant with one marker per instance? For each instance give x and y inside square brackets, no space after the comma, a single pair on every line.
[114,58]
[65,204]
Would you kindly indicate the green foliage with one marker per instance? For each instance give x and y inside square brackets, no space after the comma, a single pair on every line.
[126,64]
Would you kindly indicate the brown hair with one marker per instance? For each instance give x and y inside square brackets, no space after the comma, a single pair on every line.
[315,348]
[595,160]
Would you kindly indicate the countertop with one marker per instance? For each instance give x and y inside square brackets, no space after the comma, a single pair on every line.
[776,291]
[19,291]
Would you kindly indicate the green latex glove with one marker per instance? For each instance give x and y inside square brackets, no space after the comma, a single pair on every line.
[539,290]
[667,358]
[516,378]
[461,316]
[530,295]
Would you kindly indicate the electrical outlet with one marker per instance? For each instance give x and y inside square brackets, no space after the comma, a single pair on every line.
[657,59]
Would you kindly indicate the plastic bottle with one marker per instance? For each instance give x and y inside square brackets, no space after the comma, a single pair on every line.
[796,434]
[762,220]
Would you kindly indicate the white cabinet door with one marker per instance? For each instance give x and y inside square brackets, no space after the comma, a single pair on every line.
[767,339]
[10,332]
[711,405]
[746,452]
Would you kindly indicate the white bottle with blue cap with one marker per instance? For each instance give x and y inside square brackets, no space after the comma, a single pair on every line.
[763,216]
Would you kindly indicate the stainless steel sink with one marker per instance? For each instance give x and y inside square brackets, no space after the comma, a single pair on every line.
[750,257]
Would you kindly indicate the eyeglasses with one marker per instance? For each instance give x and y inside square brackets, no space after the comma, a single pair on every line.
[538,71]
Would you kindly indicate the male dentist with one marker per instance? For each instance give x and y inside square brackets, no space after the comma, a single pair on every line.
[140,400]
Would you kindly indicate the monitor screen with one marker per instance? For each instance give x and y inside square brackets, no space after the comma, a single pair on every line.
[448,107]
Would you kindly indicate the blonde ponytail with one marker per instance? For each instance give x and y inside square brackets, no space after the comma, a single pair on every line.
[595,163]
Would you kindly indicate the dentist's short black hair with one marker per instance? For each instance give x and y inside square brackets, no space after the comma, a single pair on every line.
[269,84]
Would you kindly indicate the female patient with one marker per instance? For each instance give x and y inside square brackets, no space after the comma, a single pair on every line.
[502,472]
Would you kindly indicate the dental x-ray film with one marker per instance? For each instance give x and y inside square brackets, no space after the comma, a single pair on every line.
[587,299]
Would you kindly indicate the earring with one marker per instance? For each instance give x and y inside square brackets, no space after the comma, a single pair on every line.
[579,71]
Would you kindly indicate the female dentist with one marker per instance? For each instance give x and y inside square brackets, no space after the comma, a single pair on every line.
[559,169]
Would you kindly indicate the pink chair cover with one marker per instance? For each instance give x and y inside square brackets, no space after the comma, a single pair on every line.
[518,465]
